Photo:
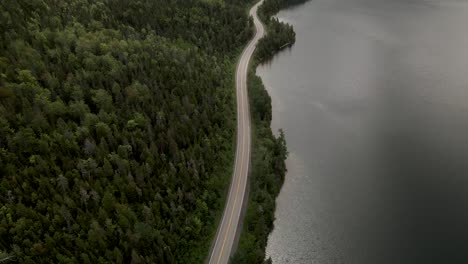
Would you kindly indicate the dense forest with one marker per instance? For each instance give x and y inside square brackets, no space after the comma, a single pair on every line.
[117,123]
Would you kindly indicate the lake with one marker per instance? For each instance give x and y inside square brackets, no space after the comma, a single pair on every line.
[373,98]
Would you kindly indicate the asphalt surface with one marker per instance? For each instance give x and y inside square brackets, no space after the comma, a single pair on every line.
[223,243]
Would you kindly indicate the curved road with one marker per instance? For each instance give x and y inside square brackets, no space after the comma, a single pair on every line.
[224,240]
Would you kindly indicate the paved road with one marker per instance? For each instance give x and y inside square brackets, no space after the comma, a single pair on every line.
[224,240]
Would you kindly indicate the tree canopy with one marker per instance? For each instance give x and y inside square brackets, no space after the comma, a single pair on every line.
[116,127]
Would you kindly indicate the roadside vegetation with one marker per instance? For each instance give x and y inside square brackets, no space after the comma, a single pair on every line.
[269,153]
[266,176]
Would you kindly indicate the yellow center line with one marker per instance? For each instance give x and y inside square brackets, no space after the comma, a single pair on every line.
[239,178]
[243,85]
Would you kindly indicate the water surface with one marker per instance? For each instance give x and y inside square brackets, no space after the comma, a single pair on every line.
[373,98]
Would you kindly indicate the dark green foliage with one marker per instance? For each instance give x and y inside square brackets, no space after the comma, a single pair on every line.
[279,34]
[116,127]
[271,7]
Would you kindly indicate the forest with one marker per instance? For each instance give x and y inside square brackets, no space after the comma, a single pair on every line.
[117,123]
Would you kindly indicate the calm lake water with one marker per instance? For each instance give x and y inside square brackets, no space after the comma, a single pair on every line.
[373,99]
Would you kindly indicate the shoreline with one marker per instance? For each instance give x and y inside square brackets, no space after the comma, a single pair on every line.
[266,178]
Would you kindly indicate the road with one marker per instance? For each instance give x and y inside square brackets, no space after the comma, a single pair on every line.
[222,245]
